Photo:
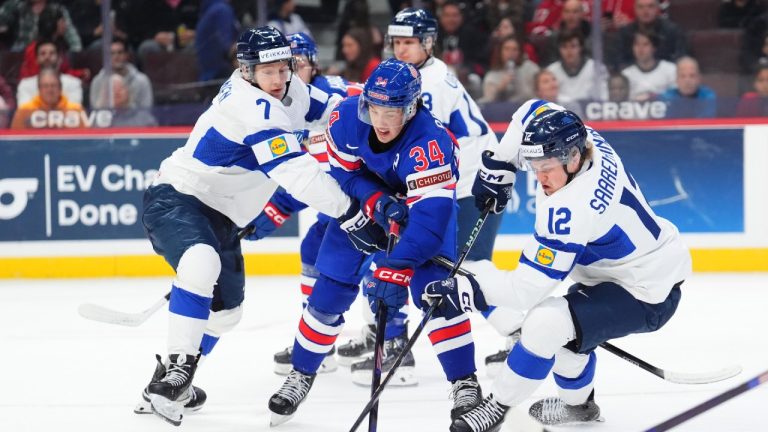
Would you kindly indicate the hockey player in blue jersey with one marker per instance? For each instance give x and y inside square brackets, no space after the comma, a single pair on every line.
[381,143]
[592,224]
[412,36]
[237,154]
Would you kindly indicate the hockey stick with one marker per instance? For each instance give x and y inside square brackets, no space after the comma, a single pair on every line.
[427,316]
[709,404]
[378,347]
[675,377]
[104,314]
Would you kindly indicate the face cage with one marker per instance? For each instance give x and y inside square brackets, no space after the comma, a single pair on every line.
[562,157]
[364,115]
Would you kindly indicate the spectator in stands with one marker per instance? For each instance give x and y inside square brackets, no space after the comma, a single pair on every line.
[503,30]
[545,86]
[648,76]
[647,17]
[217,30]
[690,99]
[23,16]
[618,88]
[738,13]
[356,14]
[755,103]
[513,10]
[754,47]
[139,87]
[511,74]
[50,108]
[579,77]
[7,103]
[51,26]
[573,19]
[161,26]
[126,113]
[462,47]
[86,17]
[283,18]
[360,59]
[48,57]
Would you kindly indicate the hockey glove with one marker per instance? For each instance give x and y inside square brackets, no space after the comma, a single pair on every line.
[270,219]
[493,184]
[389,284]
[365,234]
[385,208]
[458,294]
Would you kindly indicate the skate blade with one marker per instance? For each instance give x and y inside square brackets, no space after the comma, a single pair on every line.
[278,419]
[168,410]
[405,376]
[347,361]
[143,407]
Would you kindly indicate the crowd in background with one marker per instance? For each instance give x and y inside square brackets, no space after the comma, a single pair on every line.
[633,62]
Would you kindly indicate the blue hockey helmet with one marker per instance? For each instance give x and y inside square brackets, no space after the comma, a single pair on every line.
[553,134]
[393,84]
[302,44]
[412,22]
[262,45]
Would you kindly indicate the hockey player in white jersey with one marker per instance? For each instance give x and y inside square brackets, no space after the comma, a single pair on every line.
[237,154]
[412,35]
[592,224]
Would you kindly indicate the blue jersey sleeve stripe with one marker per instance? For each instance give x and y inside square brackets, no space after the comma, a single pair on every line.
[533,108]
[549,272]
[480,122]
[263,136]
[615,244]
[214,149]
[629,200]
[558,245]
[457,126]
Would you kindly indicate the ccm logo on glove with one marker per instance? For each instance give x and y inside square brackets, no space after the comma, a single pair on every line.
[399,277]
[276,215]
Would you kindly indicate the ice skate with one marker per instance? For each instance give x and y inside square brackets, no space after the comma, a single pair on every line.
[405,375]
[286,401]
[494,362]
[356,349]
[466,394]
[554,411]
[167,394]
[193,400]
[487,417]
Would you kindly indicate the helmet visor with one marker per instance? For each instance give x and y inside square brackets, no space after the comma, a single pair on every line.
[380,116]
[532,158]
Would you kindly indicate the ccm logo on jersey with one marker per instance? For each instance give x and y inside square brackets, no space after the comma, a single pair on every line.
[545,256]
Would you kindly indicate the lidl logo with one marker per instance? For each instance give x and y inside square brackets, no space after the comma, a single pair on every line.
[278,146]
[545,256]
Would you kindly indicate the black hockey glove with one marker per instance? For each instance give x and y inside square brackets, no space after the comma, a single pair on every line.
[493,184]
[459,294]
[364,233]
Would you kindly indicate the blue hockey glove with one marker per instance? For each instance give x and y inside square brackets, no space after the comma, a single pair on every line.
[385,208]
[459,294]
[364,233]
[270,219]
[389,284]
[493,184]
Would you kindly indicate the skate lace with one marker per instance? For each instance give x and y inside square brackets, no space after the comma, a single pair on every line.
[484,416]
[365,335]
[464,392]
[552,409]
[176,375]
[294,388]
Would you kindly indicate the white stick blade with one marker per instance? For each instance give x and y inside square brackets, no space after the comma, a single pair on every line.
[99,313]
[703,377]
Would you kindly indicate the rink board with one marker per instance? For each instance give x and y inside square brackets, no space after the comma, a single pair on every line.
[70,202]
